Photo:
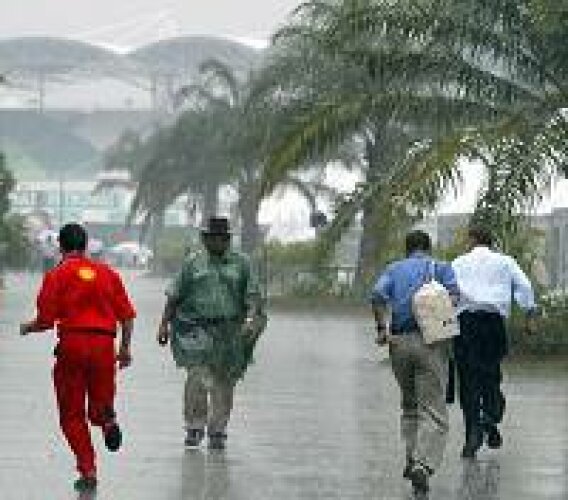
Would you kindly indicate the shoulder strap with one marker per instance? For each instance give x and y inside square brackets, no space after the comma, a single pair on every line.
[426,278]
[432,270]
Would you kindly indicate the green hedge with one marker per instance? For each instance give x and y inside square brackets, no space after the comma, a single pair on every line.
[551,336]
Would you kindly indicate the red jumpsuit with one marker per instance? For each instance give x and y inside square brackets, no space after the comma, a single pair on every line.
[85,299]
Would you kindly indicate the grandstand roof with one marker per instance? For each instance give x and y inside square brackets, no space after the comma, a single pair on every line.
[53,56]
[58,57]
[185,54]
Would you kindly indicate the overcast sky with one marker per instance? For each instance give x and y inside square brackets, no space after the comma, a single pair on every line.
[135,22]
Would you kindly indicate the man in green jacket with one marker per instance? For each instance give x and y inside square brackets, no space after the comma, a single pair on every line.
[212,319]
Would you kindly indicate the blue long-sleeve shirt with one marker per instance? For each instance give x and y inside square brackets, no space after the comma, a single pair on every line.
[400,280]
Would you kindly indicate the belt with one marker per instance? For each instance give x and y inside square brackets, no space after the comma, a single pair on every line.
[88,331]
[404,332]
[213,321]
[481,312]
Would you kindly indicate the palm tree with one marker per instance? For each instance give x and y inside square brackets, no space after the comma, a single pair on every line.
[227,94]
[325,101]
[215,141]
[446,78]
[14,246]
[200,151]
[184,157]
[7,183]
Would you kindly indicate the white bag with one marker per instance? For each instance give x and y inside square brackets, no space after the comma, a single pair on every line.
[433,311]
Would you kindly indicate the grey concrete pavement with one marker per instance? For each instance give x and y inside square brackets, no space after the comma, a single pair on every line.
[315,418]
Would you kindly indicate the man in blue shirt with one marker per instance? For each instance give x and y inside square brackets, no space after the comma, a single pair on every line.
[488,282]
[421,370]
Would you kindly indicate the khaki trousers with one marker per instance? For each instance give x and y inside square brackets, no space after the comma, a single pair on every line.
[422,373]
[208,400]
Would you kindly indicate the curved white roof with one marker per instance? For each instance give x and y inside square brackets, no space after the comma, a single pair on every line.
[53,55]
[59,56]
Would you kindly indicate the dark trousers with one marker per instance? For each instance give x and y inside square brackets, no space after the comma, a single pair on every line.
[479,350]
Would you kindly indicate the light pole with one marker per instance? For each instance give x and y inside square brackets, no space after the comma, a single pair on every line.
[3,252]
[61,197]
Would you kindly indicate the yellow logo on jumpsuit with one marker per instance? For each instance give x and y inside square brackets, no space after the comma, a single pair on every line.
[86,273]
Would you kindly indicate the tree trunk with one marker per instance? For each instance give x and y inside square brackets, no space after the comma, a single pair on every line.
[368,246]
[369,243]
[158,224]
[250,231]
[210,200]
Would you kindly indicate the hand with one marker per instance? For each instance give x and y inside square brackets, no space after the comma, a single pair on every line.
[25,329]
[124,357]
[163,335]
[382,336]
[531,326]
[247,329]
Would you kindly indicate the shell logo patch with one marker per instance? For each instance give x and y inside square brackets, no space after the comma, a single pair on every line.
[86,273]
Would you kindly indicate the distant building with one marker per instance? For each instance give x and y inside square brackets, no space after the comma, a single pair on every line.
[70,200]
[556,227]
[104,210]
[552,268]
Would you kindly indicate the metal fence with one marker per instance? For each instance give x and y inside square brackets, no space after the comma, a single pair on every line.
[331,281]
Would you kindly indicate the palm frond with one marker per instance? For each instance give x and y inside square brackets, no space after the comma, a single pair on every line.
[311,134]
[223,75]
[314,8]
[203,96]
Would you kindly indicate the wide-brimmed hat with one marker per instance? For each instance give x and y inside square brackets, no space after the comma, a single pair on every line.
[217,226]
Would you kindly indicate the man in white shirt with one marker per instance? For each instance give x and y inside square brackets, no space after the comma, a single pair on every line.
[488,283]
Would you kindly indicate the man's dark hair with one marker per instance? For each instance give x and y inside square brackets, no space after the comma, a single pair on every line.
[480,235]
[73,238]
[418,241]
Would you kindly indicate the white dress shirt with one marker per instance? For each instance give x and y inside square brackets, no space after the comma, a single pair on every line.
[489,281]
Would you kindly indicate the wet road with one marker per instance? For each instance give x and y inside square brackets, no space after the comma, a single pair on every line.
[315,418]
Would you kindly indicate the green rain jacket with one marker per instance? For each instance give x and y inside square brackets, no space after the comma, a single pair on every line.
[213,296]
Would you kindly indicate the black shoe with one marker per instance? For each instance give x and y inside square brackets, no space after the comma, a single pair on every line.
[408,469]
[85,484]
[194,437]
[419,476]
[470,449]
[473,442]
[494,439]
[113,437]
[217,441]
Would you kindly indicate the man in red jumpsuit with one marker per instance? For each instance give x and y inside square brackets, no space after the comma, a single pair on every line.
[85,301]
